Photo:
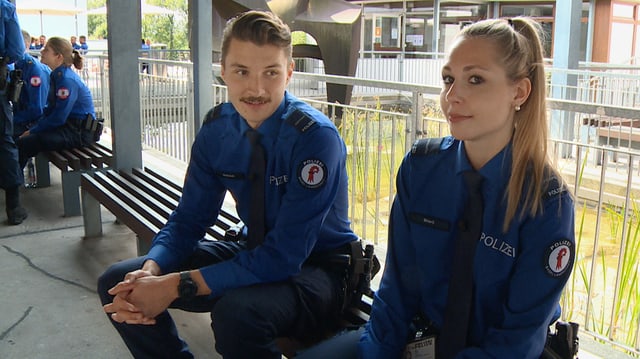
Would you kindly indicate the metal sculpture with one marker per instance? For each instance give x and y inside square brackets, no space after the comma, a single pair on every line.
[335,25]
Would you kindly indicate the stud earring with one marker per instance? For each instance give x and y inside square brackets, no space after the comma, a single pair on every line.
[517,108]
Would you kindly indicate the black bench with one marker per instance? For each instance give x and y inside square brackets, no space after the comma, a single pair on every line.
[143,199]
[72,163]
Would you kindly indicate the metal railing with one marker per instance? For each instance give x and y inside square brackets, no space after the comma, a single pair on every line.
[600,164]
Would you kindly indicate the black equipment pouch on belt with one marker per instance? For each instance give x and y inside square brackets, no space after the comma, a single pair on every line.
[564,343]
[4,73]
[96,127]
[363,267]
[15,86]
[88,124]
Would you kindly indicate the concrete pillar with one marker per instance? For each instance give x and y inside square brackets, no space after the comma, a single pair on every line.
[566,55]
[123,23]
[202,57]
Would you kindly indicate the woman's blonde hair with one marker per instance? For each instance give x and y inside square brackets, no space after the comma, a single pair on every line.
[519,43]
[63,47]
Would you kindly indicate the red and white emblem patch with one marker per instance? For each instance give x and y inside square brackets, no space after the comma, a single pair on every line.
[559,257]
[35,81]
[312,173]
[63,93]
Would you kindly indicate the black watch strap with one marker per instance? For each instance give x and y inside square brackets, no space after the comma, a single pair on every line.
[187,288]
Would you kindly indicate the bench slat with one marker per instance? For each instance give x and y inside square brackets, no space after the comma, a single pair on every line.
[137,206]
[140,225]
[85,159]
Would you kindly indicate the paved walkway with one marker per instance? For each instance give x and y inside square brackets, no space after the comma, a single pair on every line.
[49,308]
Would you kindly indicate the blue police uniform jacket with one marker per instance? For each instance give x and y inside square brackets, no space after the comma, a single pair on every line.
[305,194]
[11,41]
[33,96]
[68,97]
[518,274]
[11,47]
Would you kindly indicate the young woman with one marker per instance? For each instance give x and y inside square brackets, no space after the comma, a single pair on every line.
[493,98]
[69,117]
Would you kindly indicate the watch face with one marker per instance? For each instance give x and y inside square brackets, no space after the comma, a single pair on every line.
[187,288]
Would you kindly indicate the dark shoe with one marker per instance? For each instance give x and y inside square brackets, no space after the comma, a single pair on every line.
[17,215]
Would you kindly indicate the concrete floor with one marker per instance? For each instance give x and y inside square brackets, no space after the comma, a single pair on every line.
[48,302]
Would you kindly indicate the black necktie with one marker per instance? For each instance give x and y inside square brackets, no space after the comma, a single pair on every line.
[256,178]
[453,337]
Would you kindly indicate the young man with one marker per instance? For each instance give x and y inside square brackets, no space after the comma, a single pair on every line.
[278,282]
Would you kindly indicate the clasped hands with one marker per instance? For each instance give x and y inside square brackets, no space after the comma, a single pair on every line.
[141,296]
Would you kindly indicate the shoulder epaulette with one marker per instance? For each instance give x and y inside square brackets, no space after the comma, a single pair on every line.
[213,114]
[430,146]
[300,121]
[554,187]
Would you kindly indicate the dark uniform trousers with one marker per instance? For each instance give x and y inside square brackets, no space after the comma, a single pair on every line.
[63,137]
[246,320]
[10,173]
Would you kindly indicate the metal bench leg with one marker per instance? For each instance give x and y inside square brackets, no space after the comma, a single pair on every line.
[142,246]
[91,216]
[43,178]
[70,193]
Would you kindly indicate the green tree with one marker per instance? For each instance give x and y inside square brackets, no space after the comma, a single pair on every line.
[170,30]
[96,24]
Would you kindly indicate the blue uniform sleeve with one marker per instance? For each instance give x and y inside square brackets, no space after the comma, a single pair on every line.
[13,41]
[545,260]
[397,300]
[66,95]
[202,198]
[34,95]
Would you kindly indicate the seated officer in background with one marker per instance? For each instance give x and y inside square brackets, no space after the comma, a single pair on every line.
[280,282]
[33,97]
[69,118]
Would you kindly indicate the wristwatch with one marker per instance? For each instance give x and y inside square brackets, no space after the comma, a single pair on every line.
[187,289]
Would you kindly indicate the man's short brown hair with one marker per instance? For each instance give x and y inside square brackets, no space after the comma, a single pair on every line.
[259,27]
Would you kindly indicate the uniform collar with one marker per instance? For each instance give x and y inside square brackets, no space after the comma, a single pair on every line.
[271,126]
[496,171]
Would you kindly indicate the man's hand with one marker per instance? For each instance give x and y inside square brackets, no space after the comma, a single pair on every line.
[122,310]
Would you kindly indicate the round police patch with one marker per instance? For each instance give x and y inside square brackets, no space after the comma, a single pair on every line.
[312,173]
[35,81]
[63,93]
[558,257]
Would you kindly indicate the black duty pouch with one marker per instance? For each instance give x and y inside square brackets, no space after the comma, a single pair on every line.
[4,73]
[15,86]
[98,130]
[563,343]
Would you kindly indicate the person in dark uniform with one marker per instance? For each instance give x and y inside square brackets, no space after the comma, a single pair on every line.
[493,98]
[494,102]
[33,97]
[281,287]
[69,118]
[11,177]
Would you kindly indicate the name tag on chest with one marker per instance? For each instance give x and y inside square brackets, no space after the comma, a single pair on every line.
[421,348]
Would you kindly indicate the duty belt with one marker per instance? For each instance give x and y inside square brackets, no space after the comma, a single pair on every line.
[87,123]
